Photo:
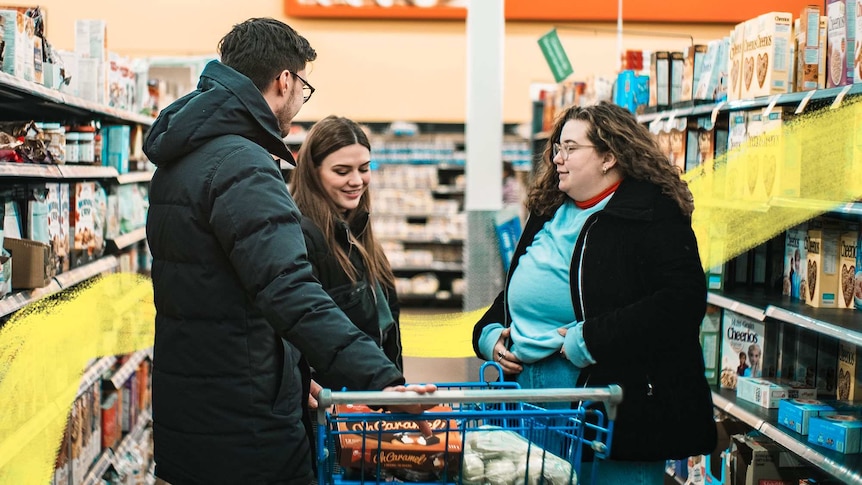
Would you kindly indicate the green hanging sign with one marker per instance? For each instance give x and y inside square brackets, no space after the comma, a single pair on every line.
[556,57]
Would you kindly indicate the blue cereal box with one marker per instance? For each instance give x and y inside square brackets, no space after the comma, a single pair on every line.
[839,432]
[795,413]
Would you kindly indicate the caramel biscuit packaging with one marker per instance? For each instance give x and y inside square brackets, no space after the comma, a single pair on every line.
[766,55]
[742,350]
[847,246]
[822,268]
[734,62]
[848,379]
[808,48]
[398,445]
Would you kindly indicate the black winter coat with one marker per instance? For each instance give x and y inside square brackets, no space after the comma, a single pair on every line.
[236,301]
[644,297]
[356,299]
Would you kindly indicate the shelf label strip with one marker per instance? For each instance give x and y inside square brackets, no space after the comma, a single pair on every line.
[840,96]
[804,103]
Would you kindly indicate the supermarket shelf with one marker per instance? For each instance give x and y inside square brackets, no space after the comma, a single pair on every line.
[841,324]
[423,240]
[127,369]
[788,99]
[94,373]
[734,305]
[451,267]
[87,172]
[134,177]
[847,468]
[134,436]
[448,189]
[33,170]
[19,300]
[424,297]
[126,240]
[105,461]
[78,275]
[20,97]
[848,208]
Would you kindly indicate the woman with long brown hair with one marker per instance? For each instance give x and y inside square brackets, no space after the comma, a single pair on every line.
[606,287]
[331,188]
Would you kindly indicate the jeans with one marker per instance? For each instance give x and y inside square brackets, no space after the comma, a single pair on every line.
[549,373]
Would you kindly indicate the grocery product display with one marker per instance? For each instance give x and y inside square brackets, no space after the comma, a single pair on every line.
[783,328]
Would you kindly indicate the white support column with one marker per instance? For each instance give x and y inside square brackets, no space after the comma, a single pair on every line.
[484,141]
[484,130]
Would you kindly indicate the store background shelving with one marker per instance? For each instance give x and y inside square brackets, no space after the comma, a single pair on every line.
[23,101]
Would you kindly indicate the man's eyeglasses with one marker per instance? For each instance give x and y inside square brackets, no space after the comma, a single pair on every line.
[565,150]
[307,89]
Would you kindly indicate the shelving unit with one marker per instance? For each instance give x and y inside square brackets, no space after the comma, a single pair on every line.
[21,101]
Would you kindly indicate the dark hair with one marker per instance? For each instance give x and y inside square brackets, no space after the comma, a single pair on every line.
[614,130]
[260,48]
[325,137]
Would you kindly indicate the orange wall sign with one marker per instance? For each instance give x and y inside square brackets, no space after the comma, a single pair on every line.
[658,11]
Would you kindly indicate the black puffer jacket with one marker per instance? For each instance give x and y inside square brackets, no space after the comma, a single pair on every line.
[231,279]
[356,299]
[643,300]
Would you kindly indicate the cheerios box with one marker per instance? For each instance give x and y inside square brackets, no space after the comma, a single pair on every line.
[742,348]
[847,245]
[838,432]
[766,55]
[796,413]
[822,268]
[369,441]
[840,42]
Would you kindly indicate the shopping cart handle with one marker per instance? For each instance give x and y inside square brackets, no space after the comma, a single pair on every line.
[611,395]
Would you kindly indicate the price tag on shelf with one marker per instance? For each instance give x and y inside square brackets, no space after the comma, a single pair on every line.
[840,96]
[804,103]
[716,110]
[769,107]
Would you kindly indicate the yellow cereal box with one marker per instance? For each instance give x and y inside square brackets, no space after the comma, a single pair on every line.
[822,265]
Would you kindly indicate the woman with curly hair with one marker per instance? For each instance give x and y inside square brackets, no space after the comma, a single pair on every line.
[606,287]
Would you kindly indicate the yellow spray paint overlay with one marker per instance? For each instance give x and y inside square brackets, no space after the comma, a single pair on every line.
[785,176]
[44,350]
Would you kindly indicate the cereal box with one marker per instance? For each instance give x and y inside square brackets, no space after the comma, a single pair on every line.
[734,62]
[796,413]
[808,48]
[805,358]
[857,295]
[827,367]
[693,58]
[849,240]
[400,445]
[795,251]
[742,348]
[824,51]
[714,63]
[752,187]
[82,223]
[847,379]
[676,140]
[18,35]
[766,55]
[838,432]
[822,265]
[734,174]
[659,89]
[677,68]
[857,67]
[762,392]
[840,42]
[710,336]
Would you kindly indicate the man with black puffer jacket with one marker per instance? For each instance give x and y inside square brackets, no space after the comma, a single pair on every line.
[236,301]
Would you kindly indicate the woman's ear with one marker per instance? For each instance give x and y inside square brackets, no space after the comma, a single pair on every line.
[609,161]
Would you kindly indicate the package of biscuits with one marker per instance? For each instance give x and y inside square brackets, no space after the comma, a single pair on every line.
[766,55]
[372,438]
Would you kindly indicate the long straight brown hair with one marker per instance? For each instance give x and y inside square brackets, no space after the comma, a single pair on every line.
[325,137]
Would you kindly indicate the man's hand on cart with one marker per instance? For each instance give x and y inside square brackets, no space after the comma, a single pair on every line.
[506,359]
[424,427]
[312,394]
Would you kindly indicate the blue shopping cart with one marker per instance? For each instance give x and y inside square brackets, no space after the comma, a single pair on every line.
[488,432]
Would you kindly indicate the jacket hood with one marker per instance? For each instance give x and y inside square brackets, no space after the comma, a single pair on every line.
[225,102]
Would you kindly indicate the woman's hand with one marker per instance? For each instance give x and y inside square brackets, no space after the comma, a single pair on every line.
[506,359]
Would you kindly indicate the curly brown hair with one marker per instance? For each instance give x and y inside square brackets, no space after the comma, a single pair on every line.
[614,130]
